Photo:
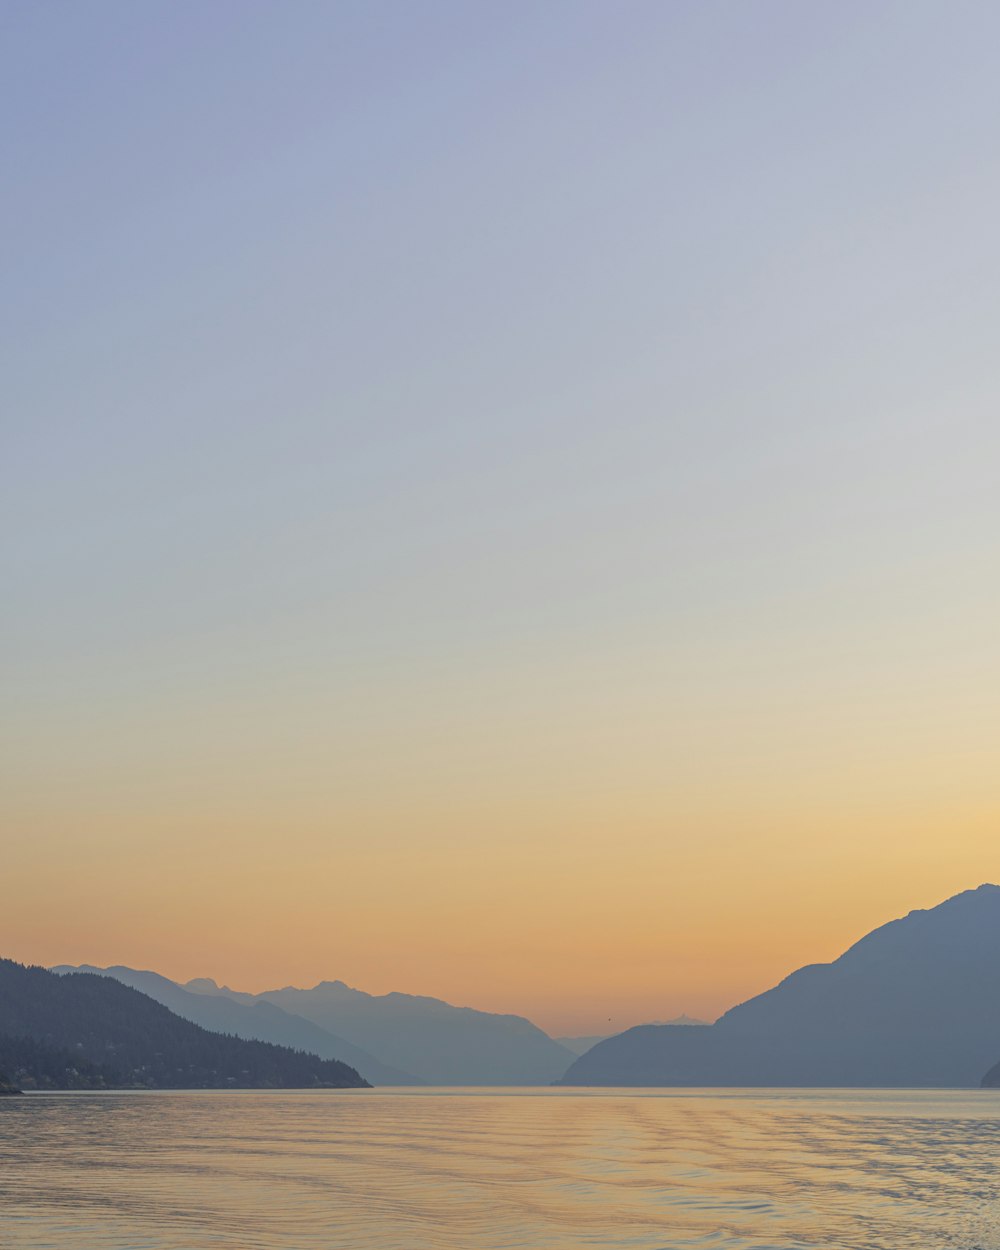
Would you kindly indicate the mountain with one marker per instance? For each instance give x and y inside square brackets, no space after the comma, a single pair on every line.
[253,1021]
[580,1045]
[86,1031]
[445,1045]
[395,1039]
[439,1043]
[992,1078]
[39,1066]
[914,1003]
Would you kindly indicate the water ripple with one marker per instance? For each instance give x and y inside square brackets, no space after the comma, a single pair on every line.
[502,1170]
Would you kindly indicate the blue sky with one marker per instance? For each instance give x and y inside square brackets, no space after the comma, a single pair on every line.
[381,381]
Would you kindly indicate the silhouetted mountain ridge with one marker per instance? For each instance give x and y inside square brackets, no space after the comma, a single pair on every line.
[87,1031]
[253,1020]
[580,1045]
[444,1044]
[393,1038]
[441,1043]
[913,1003]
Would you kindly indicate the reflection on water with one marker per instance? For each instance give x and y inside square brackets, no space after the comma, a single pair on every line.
[435,1169]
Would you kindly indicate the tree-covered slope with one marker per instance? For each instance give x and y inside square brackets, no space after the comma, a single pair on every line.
[7,1086]
[91,1031]
[392,1039]
[30,1064]
[255,1021]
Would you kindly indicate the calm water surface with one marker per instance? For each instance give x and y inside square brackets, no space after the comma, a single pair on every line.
[491,1169]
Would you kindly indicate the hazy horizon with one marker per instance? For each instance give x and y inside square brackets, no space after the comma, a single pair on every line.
[500,502]
[555,1030]
[589,1023]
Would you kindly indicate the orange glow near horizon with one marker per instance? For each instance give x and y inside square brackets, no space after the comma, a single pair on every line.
[500,502]
[585,934]
[584,852]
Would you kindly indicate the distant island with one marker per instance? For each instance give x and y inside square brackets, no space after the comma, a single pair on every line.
[91,1032]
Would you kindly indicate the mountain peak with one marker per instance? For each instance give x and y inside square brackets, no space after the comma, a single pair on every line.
[910,1003]
[202,985]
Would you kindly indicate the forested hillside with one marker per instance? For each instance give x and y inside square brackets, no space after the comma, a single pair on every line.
[85,1031]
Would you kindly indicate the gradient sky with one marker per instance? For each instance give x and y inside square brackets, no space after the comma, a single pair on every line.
[500,501]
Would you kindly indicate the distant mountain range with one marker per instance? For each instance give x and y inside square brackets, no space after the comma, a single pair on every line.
[444,1045]
[915,1003]
[391,1039]
[91,1032]
[254,1021]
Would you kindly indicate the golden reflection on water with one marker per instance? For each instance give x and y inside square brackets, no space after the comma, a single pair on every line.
[495,1169]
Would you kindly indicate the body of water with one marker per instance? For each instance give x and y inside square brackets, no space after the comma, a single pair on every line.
[447,1169]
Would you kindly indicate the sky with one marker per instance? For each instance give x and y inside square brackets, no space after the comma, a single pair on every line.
[499,501]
